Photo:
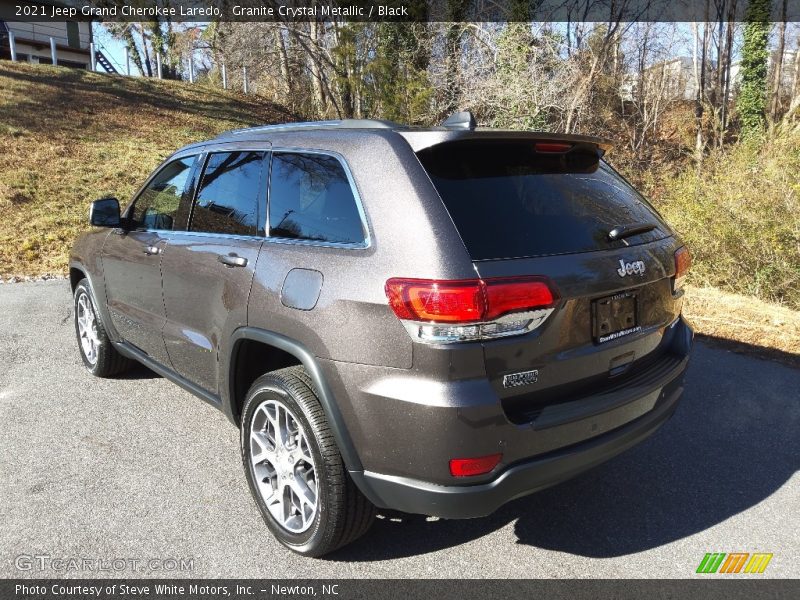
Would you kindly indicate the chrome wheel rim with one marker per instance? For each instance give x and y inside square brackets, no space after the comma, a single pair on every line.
[282,466]
[87,328]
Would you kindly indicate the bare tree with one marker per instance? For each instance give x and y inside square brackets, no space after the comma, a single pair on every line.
[700,64]
[794,105]
[777,71]
[655,84]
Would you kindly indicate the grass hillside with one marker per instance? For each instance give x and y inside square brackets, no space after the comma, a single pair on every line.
[69,136]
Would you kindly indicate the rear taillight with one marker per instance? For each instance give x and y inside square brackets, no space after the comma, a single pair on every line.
[683,261]
[469,309]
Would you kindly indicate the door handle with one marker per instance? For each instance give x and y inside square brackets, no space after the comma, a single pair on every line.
[232,260]
[152,250]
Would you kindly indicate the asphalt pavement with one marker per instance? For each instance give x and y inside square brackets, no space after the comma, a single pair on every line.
[136,470]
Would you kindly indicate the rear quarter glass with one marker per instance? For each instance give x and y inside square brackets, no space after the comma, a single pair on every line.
[509,201]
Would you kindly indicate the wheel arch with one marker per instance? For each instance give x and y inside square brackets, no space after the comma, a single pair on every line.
[76,273]
[232,404]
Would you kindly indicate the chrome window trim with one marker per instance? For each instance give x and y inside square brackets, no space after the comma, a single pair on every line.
[206,234]
[366,243]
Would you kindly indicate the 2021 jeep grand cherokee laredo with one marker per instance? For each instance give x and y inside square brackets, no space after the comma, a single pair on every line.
[430,320]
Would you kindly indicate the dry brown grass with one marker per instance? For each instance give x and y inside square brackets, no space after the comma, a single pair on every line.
[69,136]
[740,215]
[744,323]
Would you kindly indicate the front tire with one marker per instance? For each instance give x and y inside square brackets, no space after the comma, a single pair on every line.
[98,353]
[295,471]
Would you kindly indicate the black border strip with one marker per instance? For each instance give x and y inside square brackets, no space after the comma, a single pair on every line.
[391,10]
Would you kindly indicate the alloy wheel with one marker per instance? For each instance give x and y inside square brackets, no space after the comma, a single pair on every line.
[283,466]
[87,328]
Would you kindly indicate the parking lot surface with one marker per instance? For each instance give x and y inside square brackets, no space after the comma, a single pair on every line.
[136,468]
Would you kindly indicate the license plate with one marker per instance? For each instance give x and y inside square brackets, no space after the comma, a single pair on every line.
[615,316]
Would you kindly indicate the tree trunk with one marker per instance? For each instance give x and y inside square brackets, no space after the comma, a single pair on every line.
[728,60]
[145,51]
[283,58]
[320,101]
[700,71]
[795,103]
[777,71]
[585,84]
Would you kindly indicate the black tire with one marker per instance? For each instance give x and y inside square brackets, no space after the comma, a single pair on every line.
[106,361]
[343,514]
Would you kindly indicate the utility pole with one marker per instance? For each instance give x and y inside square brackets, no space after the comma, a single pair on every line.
[13,44]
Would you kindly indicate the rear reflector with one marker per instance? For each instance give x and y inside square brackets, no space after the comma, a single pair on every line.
[468,467]
[683,261]
[467,300]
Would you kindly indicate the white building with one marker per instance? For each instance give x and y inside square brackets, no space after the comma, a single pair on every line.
[675,79]
[32,39]
[670,79]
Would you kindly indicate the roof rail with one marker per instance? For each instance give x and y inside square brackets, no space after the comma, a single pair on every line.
[311,125]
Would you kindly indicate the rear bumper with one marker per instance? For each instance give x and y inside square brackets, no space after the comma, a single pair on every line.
[468,501]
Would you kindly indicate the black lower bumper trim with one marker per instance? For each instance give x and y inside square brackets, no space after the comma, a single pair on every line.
[468,501]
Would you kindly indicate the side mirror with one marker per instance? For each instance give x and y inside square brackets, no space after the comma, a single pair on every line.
[105,213]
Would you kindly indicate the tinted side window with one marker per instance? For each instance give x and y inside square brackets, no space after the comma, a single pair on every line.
[227,199]
[311,199]
[157,206]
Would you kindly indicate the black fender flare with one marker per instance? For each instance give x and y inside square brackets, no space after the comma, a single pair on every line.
[309,361]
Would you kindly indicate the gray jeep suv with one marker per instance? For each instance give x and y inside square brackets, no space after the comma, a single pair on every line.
[435,320]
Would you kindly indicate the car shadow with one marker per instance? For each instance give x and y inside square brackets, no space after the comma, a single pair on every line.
[731,444]
[138,371]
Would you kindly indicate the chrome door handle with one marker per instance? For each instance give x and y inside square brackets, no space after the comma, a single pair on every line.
[152,250]
[232,260]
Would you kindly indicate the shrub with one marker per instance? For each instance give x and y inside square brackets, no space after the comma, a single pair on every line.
[740,216]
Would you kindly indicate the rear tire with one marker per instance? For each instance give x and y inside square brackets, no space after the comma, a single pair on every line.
[98,353]
[284,426]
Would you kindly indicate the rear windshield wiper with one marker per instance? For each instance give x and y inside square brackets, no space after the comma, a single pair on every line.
[622,231]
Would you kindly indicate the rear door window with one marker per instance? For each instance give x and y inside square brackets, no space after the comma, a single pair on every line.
[509,201]
[311,199]
[228,196]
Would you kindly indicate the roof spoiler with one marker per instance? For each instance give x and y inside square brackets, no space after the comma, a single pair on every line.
[420,140]
[460,120]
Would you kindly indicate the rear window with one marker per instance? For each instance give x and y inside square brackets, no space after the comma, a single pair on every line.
[311,199]
[509,201]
